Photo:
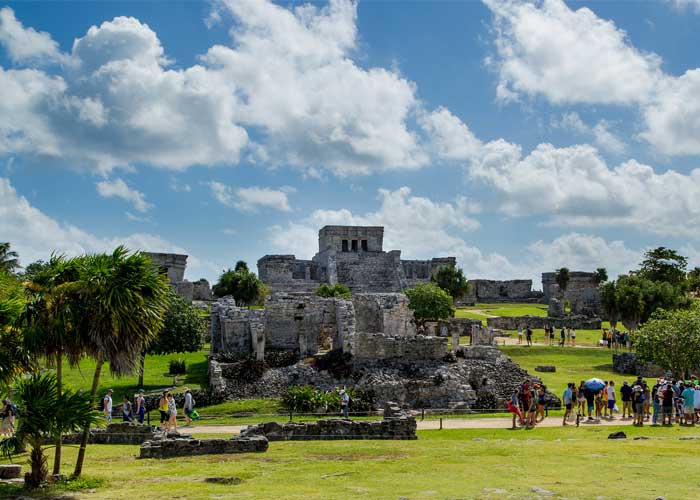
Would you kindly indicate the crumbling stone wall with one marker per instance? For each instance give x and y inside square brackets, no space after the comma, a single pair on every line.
[628,364]
[118,433]
[174,266]
[386,313]
[232,327]
[515,322]
[582,293]
[402,426]
[174,447]
[286,273]
[482,335]
[372,347]
[420,271]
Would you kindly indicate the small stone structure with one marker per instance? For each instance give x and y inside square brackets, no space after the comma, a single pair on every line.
[187,447]
[482,335]
[581,293]
[174,266]
[369,348]
[353,256]
[515,322]
[396,424]
[307,324]
[628,364]
[118,433]
[546,368]
[482,290]
[10,471]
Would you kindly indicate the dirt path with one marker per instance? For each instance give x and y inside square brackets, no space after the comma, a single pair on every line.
[447,423]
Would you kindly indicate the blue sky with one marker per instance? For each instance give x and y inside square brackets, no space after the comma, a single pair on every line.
[517,136]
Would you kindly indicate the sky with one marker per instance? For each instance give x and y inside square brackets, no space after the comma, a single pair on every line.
[519,137]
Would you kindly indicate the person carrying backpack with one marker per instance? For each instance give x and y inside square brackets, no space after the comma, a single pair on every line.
[344,402]
[188,407]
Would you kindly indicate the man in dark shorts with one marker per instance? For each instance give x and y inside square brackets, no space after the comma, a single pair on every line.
[567,399]
[626,393]
[667,405]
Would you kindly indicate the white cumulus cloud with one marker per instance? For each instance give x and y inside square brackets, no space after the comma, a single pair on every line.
[250,199]
[117,188]
[26,45]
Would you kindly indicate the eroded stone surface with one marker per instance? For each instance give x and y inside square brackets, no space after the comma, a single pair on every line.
[181,447]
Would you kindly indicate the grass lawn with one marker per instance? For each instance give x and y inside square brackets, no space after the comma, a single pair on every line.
[155,375]
[471,463]
[573,365]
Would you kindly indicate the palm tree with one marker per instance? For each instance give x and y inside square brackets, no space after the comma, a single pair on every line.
[122,302]
[44,415]
[47,320]
[14,360]
[9,260]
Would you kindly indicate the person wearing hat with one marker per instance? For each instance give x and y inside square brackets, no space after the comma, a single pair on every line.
[107,406]
[140,403]
[344,402]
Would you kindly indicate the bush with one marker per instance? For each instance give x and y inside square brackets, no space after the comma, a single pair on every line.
[337,290]
[177,367]
[307,399]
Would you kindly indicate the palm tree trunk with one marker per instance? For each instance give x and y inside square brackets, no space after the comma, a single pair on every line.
[86,433]
[143,367]
[59,438]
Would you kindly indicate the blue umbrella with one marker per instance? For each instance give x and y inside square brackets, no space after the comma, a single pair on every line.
[594,384]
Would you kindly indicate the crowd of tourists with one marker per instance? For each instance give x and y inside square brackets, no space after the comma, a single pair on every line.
[566,336]
[665,403]
[136,411]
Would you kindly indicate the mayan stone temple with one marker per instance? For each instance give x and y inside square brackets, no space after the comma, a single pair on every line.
[350,255]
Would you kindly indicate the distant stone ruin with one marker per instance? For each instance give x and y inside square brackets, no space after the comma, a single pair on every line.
[489,291]
[174,265]
[581,293]
[352,256]
[187,447]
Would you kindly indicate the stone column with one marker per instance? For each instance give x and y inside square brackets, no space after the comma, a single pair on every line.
[455,340]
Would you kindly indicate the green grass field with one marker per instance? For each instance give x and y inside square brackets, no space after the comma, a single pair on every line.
[155,375]
[449,464]
[572,364]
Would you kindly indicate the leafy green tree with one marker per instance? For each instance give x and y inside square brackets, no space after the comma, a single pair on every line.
[562,277]
[14,358]
[452,280]
[429,302]
[663,265]
[338,290]
[608,301]
[600,275]
[694,280]
[9,260]
[638,298]
[630,300]
[34,268]
[121,302]
[671,339]
[240,283]
[47,320]
[44,415]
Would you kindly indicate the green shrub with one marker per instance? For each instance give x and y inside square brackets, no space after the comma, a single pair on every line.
[307,399]
[337,290]
[177,367]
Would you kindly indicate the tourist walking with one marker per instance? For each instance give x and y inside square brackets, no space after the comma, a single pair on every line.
[140,402]
[638,404]
[127,415]
[344,403]
[696,402]
[581,399]
[7,413]
[520,335]
[567,399]
[667,395]
[188,407]
[163,409]
[541,402]
[611,398]
[688,396]
[573,337]
[562,336]
[512,406]
[107,406]
[568,336]
[172,414]
[528,335]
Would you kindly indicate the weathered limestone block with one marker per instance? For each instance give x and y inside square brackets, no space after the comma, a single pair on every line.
[395,427]
[386,313]
[377,346]
[546,368]
[118,433]
[581,292]
[10,471]
[628,364]
[168,448]
[482,335]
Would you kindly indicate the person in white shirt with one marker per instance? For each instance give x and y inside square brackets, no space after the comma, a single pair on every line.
[107,406]
[611,398]
[344,402]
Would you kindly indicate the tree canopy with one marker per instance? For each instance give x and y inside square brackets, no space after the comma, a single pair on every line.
[671,339]
[600,275]
[9,260]
[240,283]
[663,265]
[452,280]
[183,328]
[429,302]
[562,277]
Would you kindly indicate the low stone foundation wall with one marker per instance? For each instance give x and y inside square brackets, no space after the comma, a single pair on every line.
[515,322]
[374,347]
[396,425]
[118,433]
[627,363]
[168,448]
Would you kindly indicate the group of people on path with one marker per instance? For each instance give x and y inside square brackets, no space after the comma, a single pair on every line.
[136,411]
[8,412]
[528,405]
[597,403]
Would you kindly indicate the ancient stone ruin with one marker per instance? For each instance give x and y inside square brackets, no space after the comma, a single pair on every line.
[119,433]
[481,290]
[174,266]
[187,447]
[581,293]
[353,256]
[397,424]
